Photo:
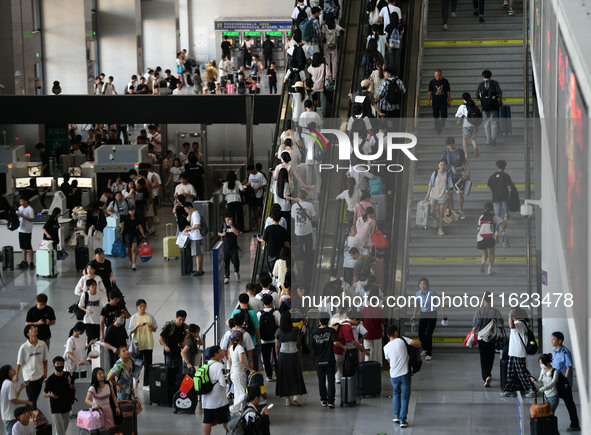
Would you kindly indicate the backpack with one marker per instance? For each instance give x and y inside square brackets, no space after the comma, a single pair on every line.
[172,327]
[358,127]
[248,325]
[531,346]
[474,115]
[267,325]
[331,38]
[394,40]
[307,28]
[414,358]
[365,104]
[394,93]
[203,228]
[302,15]
[375,186]
[203,384]
[238,425]
[488,98]
[74,309]
[455,169]
[563,385]
[487,227]
[300,57]
[13,220]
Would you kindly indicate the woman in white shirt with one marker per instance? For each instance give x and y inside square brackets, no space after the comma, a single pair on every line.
[297,102]
[81,287]
[281,266]
[231,190]
[352,196]
[130,194]
[281,194]
[238,365]
[548,380]
[175,174]
[468,129]
[75,353]
[348,262]
[289,133]
[437,193]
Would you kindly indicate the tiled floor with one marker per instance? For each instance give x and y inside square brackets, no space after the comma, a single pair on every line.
[447,395]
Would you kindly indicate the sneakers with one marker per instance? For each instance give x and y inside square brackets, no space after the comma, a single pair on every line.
[487,382]
[324,404]
[424,353]
[296,401]
[482,267]
[331,406]
[129,265]
[453,15]
[197,273]
[505,4]
[507,216]
[511,12]
[440,232]
[508,394]
[267,379]
[237,276]
[396,420]
[428,358]
[403,423]
[490,270]
[23,265]
[530,394]
[133,266]
[146,388]
[226,280]
[287,401]
[462,215]
[445,27]
[31,266]
[481,19]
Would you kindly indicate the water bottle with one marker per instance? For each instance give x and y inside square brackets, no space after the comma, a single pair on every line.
[413,327]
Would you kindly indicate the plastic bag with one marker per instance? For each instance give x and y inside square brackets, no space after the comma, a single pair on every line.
[145,252]
[118,249]
[471,340]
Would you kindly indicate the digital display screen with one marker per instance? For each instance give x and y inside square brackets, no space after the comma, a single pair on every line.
[252,33]
[231,33]
[274,33]
[44,182]
[34,171]
[85,183]
[22,182]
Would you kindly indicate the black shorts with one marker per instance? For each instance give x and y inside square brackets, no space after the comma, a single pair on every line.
[487,243]
[218,415]
[130,239]
[24,240]
[257,202]
[156,201]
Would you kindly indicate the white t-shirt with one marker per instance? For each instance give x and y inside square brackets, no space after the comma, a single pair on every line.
[284,203]
[77,347]
[307,117]
[351,201]
[184,158]
[463,113]
[184,189]
[31,358]
[19,429]
[386,11]
[257,180]
[81,286]
[237,368]
[282,222]
[296,11]
[276,302]
[195,220]
[303,224]
[176,173]
[7,394]
[516,340]
[216,398]
[26,226]
[232,195]
[95,304]
[352,242]
[396,352]
[151,176]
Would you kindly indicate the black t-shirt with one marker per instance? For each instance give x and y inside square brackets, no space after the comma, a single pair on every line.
[268,46]
[116,336]
[439,89]
[77,198]
[273,74]
[175,340]
[35,314]
[195,173]
[52,226]
[130,226]
[230,240]
[499,183]
[142,89]
[44,156]
[140,204]
[104,271]
[109,312]
[275,237]
[29,192]
[226,47]
[60,386]
[66,188]
[181,218]
[323,339]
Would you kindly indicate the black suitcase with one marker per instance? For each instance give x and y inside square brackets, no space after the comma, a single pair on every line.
[43,430]
[162,384]
[81,254]
[129,417]
[369,378]
[186,261]
[8,258]
[348,391]
[505,124]
[503,377]
[544,426]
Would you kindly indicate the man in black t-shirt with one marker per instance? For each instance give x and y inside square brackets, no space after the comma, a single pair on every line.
[116,336]
[196,173]
[226,47]
[59,388]
[44,157]
[108,312]
[500,184]
[323,339]
[42,316]
[275,237]
[440,98]
[172,338]
[228,232]
[102,268]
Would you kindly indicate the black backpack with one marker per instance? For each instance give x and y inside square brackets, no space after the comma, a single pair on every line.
[474,115]
[294,77]
[489,98]
[531,345]
[394,93]
[248,325]
[13,220]
[299,57]
[563,385]
[302,15]
[267,325]
[414,358]
[358,127]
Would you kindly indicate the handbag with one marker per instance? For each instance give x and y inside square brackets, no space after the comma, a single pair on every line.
[540,410]
[62,255]
[379,240]
[182,239]
[119,249]
[467,186]
[145,252]
[38,418]
[89,419]
[134,346]
[471,340]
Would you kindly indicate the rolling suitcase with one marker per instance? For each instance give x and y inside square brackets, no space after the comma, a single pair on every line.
[422,214]
[109,236]
[503,363]
[81,386]
[184,403]
[102,360]
[162,384]
[505,125]
[170,248]
[44,429]
[186,261]
[380,206]
[544,426]
[369,378]
[8,258]
[82,256]
[129,424]
[348,391]
[46,262]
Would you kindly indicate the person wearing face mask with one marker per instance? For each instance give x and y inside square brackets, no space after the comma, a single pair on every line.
[548,380]
[75,353]
[59,388]
[116,336]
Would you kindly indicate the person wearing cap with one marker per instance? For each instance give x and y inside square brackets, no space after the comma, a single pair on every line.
[485,323]
[216,409]
[102,268]
[298,97]
[238,365]
[365,98]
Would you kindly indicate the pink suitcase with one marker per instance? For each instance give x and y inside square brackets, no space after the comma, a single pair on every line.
[230,89]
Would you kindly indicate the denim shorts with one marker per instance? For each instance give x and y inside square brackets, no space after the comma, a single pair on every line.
[438,201]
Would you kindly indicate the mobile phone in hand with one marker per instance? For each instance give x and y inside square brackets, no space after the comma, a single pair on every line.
[270,405]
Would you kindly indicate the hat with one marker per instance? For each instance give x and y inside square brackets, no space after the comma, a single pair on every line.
[298,85]
[365,83]
[236,335]
[98,251]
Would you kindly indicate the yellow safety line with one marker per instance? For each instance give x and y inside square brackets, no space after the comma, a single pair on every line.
[474,42]
[384,372]
[458,101]
[475,186]
[468,259]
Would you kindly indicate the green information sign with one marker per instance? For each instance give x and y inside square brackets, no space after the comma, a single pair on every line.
[231,33]
[56,138]
[252,33]
[274,33]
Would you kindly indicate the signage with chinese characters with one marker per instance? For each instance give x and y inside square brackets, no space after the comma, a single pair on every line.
[236,25]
